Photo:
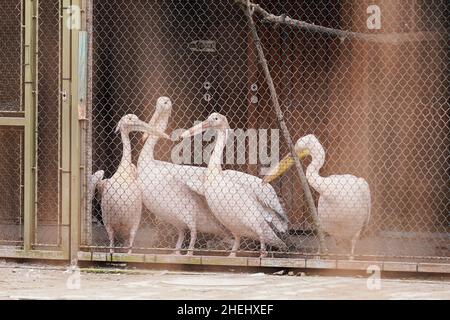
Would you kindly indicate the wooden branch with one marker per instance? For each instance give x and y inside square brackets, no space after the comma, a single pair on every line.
[284,129]
[393,38]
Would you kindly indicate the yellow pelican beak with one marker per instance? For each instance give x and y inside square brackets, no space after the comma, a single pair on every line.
[284,165]
[201,127]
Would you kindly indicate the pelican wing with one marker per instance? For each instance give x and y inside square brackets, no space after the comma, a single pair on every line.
[266,196]
[192,177]
[264,193]
[194,183]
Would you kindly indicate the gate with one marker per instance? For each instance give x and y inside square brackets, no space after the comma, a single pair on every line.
[33,222]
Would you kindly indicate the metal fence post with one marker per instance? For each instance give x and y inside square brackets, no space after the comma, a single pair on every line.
[66,106]
[30,95]
[75,146]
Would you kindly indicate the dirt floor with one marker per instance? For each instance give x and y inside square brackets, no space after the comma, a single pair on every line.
[20,281]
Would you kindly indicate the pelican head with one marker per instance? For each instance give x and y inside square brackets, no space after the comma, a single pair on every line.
[163,105]
[214,121]
[161,116]
[131,122]
[304,147]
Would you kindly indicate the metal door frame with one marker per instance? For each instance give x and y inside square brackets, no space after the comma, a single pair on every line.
[27,119]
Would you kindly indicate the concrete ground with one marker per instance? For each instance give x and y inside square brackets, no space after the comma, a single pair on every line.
[19,281]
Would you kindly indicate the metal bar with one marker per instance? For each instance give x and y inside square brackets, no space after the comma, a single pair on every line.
[65,169]
[12,122]
[14,114]
[82,74]
[296,263]
[36,133]
[60,75]
[284,129]
[75,151]
[35,254]
[88,124]
[86,196]
[30,105]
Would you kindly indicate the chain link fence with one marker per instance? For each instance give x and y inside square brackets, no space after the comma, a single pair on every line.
[11,181]
[374,107]
[378,107]
[48,215]
[46,232]
[11,157]
[10,56]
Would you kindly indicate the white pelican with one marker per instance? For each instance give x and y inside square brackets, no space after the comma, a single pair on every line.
[121,199]
[241,202]
[96,181]
[165,188]
[344,202]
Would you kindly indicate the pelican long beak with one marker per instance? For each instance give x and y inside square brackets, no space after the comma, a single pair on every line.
[156,119]
[284,165]
[142,126]
[195,130]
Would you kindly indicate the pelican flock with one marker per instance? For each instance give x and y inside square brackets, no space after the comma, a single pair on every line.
[241,202]
[215,201]
[121,199]
[166,191]
[344,202]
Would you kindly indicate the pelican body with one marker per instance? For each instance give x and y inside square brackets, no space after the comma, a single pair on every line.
[239,201]
[121,198]
[344,202]
[165,188]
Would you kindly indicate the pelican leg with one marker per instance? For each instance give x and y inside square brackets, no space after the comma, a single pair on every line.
[110,232]
[264,252]
[354,240]
[181,235]
[132,237]
[237,243]
[192,242]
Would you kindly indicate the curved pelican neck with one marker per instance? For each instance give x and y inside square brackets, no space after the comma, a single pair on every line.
[160,120]
[147,152]
[126,149]
[215,162]
[313,171]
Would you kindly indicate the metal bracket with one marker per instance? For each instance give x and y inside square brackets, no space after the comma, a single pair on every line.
[203,46]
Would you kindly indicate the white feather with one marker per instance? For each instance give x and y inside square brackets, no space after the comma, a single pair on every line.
[166,188]
[241,202]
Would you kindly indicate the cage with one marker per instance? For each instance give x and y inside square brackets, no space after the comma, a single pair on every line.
[377,104]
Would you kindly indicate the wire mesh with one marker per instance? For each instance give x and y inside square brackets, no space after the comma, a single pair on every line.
[47,214]
[378,108]
[11,178]
[47,218]
[10,54]
[11,182]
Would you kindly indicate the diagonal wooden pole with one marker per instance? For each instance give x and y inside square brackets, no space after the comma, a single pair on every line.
[388,38]
[284,129]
